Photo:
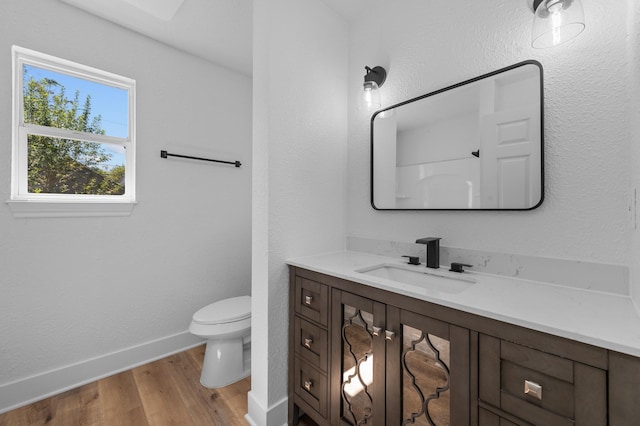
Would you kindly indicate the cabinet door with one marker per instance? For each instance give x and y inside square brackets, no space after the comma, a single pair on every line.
[358,360]
[427,371]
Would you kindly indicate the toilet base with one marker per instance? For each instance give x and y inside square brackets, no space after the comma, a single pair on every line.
[225,362]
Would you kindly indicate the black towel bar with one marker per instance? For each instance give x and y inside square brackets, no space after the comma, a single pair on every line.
[165,154]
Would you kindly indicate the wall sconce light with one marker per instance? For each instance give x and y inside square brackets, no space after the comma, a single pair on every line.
[555,22]
[370,97]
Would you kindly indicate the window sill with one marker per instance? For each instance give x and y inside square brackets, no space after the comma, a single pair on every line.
[36,209]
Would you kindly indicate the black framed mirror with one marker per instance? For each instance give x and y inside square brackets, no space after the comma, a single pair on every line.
[476,145]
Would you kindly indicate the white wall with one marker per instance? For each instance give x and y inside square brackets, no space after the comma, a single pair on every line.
[300,129]
[633,49]
[75,289]
[385,159]
[444,140]
[429,45]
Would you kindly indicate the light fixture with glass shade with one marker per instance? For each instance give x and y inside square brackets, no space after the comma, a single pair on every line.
[555,22]
[369,98]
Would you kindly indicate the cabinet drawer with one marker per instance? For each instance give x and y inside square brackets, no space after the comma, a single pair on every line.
[310,385]
[487,418]
[312,300]
[538,387]
[311,343]
[535,388]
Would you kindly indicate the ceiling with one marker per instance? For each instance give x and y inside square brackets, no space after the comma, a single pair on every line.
[219,31]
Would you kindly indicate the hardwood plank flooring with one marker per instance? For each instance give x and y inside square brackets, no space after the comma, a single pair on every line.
[164,392]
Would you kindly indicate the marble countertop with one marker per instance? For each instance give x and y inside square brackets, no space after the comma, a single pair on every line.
[601,319]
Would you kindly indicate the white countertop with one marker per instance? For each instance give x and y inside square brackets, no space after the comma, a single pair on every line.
[601,319]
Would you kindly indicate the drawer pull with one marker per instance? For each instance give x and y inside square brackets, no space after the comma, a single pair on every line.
[308,342]
[389,335]
[533,389]
[377,331]
[308,300]
[308,384]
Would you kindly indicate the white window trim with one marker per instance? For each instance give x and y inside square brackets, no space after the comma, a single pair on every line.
[24,204]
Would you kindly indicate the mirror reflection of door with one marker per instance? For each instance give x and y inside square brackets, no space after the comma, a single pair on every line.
[510,151]
[510,140]
[476,145]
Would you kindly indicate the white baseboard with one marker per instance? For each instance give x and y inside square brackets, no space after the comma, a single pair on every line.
[258,415]
[31,389]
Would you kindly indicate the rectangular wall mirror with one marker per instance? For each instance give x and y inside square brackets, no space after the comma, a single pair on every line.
[476,145]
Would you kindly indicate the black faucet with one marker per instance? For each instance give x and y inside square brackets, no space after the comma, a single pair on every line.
[433,251]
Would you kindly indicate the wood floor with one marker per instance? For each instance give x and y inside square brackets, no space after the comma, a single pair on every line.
[165,392]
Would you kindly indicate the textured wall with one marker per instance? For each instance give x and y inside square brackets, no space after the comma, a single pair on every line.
[429,45]
[77,288]
[300,132]
[633,45]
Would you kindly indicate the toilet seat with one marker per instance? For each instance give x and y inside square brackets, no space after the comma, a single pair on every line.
[224,311]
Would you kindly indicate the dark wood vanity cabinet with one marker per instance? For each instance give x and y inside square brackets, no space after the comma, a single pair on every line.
[308,348]
[361,355]
[392,365]
[523,385]
[357,360]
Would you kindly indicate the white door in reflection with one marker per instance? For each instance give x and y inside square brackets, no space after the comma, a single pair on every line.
[510,150]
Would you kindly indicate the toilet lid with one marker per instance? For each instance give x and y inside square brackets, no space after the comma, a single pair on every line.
[225,311]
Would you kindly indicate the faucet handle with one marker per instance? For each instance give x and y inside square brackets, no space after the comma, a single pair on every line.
[459,267]
[413,260]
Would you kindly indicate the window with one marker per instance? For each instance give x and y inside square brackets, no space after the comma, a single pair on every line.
[73,138]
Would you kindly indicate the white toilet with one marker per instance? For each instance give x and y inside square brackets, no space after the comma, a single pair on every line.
[226,324]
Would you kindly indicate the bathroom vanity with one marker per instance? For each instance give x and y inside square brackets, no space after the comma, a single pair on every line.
[375,341]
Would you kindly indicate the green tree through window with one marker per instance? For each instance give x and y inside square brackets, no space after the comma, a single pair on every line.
[66,166]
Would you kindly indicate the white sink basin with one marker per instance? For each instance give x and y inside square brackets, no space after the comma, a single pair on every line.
[439,280]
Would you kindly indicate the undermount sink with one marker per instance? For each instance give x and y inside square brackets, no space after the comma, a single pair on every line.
[428,279]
